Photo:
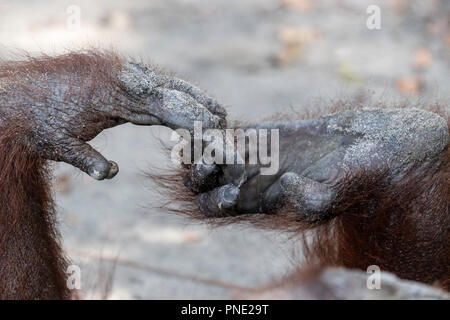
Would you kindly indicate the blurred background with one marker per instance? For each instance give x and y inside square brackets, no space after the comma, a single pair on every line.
[257,57]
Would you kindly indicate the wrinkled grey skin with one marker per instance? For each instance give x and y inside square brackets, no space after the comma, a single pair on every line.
[315,155]
[64,111]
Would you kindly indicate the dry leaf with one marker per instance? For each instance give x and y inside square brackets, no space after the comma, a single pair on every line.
[293,42]
[300,5]
[190,237]
[62,184]
[410,86]
[398,5]
[116,20]
[422,57]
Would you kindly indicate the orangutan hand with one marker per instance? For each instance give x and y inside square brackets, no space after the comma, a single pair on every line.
[316,156]
[63,102]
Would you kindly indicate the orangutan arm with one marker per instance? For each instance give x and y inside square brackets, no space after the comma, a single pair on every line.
[63,102]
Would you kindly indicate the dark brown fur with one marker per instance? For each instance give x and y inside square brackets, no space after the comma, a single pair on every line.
[401,226]
[32,265]
[91,76]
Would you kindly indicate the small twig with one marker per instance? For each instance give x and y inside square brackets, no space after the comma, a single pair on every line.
[158,270]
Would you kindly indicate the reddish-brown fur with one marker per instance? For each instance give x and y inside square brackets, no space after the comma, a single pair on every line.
[91,75]
[401,226]
[32,265]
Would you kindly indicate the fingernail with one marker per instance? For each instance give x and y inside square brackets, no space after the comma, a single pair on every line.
[230,195]
[113,170]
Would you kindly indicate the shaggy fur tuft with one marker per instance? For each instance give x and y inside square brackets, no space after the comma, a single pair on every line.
[400,225]
[31,263]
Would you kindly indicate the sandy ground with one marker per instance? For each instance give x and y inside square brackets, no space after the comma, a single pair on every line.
[257,57]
